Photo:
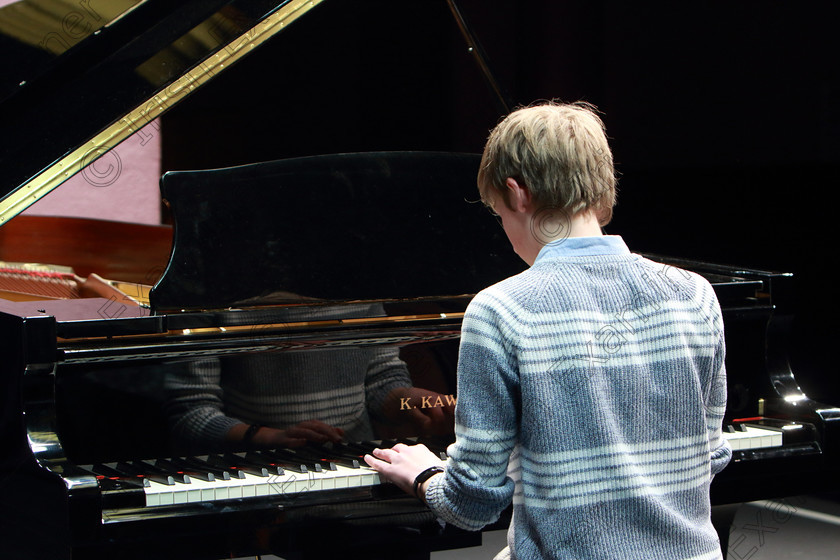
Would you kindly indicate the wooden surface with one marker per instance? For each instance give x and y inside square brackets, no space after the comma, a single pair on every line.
[114,250]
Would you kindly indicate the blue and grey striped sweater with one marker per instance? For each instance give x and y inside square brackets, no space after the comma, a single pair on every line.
[591,391]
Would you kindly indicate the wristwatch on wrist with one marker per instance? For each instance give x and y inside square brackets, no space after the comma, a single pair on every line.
[423,477]
[249,434]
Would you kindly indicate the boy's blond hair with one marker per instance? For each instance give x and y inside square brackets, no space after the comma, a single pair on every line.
[559,152]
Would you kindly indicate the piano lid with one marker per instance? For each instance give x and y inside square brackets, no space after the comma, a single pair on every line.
[89,74]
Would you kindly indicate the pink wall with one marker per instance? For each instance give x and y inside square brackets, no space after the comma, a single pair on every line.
[122,185]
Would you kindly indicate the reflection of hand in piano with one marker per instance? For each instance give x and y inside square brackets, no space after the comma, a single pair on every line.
[321,396]
[265,437]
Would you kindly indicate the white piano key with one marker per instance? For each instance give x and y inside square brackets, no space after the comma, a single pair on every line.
[289,484]
[753,438]
[246,487]
[159,494]
[202,491]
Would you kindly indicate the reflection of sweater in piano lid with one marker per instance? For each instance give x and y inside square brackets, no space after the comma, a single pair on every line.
[340,387]
[591,391]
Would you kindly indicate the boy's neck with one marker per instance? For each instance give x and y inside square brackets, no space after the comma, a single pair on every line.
[584,224]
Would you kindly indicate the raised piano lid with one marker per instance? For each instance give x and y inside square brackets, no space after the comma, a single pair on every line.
[87,77]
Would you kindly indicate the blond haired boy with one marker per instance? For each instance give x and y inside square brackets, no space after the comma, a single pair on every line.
[591,387]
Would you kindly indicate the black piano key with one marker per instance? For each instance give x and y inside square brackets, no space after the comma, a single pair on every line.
[114,484]
[246,466]
[222,472]
[362,448]
[284,458]
[338,454]
[177,476]
[105,470]
[204,466]
[118,492]
[121,493]
[268,461]
[128,469]
[307,456]
[367,447]
[181,466]
[111,479]
[370,445]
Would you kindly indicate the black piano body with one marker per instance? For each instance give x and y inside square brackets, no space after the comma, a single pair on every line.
[295,297]
[90,384]
[288,261]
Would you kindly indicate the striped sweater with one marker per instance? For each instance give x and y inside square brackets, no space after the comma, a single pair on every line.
[591,392]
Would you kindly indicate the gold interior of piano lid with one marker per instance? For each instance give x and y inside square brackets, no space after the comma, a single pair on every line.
[57,25]
[166,98]
[138,293]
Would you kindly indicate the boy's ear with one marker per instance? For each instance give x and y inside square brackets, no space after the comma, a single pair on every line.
[518,194]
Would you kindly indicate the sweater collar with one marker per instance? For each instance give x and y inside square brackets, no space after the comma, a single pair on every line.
[584,247]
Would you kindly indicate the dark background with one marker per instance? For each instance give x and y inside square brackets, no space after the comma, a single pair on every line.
[723,117]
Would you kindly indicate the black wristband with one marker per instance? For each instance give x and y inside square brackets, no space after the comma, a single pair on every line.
[423,477]
[249,433]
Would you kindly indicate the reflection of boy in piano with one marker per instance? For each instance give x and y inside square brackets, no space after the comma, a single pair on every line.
[578,401]
[289,398]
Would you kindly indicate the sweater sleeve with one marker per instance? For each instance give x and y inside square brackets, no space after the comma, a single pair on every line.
[385,372]
[475,487]
[195,407]
[721,453]
[715,400]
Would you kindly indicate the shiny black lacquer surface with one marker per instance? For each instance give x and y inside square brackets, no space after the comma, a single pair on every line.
[278,268]
[111,390]
[385,226]
[55,100]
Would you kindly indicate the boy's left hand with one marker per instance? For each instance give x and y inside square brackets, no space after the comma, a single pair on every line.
[402,463]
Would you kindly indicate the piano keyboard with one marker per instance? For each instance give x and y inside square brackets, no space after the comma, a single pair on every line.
[230,476]
[195,490]
[288,473]
[742,436]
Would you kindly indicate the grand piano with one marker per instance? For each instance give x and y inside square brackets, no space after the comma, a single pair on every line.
[327,286]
